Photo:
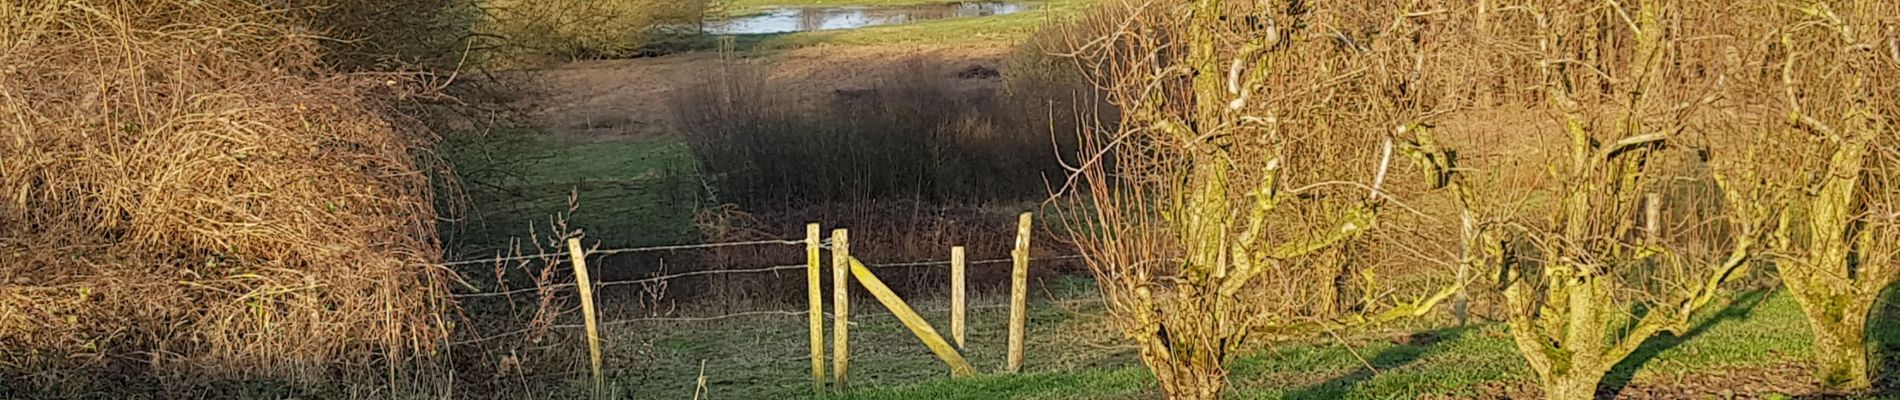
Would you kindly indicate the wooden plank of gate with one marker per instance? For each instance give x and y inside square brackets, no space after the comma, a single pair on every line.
[586,287]
[958,366]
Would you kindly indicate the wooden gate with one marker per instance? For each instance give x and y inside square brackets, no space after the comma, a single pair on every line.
[845,269]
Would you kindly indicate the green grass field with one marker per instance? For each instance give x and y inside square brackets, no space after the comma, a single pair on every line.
[1074,354]
[628,193]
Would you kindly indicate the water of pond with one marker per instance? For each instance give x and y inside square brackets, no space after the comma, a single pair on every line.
[799,19]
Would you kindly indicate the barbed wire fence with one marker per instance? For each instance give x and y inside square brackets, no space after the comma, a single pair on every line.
[1019,261]
[561,258]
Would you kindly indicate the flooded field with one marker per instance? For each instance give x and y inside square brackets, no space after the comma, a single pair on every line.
[799,19]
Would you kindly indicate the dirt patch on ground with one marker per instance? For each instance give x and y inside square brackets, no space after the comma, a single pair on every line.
[604,100]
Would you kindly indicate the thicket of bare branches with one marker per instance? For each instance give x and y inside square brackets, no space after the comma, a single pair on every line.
[1682,119]
[1673,123]
[1635,233]
[1255,140]
[525,31]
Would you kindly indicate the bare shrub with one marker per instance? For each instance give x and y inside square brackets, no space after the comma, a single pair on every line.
[518,31]
[1050,59]
[912,135]
[384,35]
[190,193]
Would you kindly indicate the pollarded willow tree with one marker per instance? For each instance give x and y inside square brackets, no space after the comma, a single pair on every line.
[1254,136]
[1827,112]
[1627,252]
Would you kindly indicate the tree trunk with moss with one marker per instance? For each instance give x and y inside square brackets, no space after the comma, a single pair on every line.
[1571,317]
[1581,385]
[1830,90]
[1840,347]
[1842,275]
[1835,294]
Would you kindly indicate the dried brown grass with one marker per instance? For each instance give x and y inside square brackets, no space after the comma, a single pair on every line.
[188,193]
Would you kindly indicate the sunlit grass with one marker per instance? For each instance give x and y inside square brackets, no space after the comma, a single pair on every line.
[629,193]
[1072,355]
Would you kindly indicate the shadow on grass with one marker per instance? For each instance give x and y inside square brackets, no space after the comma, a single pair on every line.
[1620,376]
[1412,348]
[1883,335]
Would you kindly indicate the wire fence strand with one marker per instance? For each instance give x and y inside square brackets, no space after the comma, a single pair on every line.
[647,249]
[795,313]
[667,277]
[777,268]
[783,313]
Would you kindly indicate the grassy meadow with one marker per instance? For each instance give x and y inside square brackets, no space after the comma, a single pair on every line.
[623,193]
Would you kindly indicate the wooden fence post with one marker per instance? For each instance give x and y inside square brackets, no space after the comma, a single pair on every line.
[841,307]
[956,295]
[815,294]
[1019,293]
[586,287]
[1468,239]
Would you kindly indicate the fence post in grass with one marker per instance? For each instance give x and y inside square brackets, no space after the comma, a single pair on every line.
[815,294]
[1019,293]
[586,287]
[958,366]
[841,307]
[956,295]
[1467,234]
